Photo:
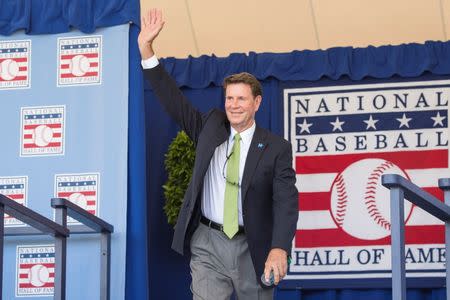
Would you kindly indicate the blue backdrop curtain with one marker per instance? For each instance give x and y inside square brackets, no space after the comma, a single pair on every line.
[200,79]
[51,17]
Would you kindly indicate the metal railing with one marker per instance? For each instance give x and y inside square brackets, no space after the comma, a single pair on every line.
[401,188]
[45,226]
[63,209]
[41,225]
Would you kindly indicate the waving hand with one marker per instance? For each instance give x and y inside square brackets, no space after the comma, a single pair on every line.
[151,25]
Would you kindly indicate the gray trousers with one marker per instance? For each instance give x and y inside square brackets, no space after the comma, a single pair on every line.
[220,266]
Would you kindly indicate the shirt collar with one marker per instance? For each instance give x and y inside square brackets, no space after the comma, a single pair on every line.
[246,135]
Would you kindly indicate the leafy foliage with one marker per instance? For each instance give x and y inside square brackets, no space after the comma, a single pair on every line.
[179,164]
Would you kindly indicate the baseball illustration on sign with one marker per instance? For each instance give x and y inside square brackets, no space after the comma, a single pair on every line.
[79,199]
[38,275]
[35,270]
[344,139]
[79,60]
[79,65]
[357,191]
[42,135]
[15,59]
[9,69]
[42,130]
[82,189]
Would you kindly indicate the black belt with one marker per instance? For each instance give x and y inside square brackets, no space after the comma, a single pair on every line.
[216,226]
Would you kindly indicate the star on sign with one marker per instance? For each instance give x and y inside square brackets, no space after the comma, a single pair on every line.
[371,123]
[305,126]
[337,124]
[404,121]
[438,120]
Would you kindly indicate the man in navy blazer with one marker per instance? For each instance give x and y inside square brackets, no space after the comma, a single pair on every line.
[267,197]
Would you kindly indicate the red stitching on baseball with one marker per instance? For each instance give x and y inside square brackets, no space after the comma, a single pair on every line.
[342,200]
[371,186]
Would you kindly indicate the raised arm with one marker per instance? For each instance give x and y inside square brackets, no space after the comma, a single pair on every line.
[151,25]
[164,86]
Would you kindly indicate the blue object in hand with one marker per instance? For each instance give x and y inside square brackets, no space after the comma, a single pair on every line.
[271,279]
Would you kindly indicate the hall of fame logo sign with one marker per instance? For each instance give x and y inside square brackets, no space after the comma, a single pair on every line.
[15,61]
[42,130]
[81,189]
[79,60]
[15,188]
[344,139]
[35,269]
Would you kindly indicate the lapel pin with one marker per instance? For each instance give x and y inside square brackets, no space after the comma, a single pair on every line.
[260,145]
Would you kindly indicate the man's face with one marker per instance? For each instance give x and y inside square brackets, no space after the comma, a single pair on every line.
[241,106]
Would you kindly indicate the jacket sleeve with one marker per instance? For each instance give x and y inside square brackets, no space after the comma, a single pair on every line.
[285,201]
[174,102]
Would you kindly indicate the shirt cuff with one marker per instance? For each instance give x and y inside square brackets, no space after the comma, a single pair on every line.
[150,63]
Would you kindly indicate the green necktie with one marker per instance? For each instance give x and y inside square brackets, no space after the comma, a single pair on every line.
[230,210]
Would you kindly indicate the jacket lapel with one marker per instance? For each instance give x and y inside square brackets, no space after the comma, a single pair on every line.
[220,135]
[255,152]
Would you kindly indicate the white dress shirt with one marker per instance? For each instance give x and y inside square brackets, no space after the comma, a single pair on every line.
[213,192]
[150,63]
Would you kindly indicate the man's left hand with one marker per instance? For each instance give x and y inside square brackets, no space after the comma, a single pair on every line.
[276,262]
